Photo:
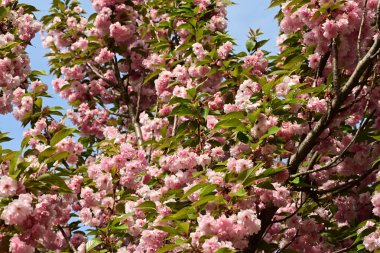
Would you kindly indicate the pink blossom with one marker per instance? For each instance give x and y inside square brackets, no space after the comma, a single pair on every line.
[18,210]
[8,186]
[224,50]
[317,105]
[104,56]
[330,29]
[121,33]
[19,246]
[372,241]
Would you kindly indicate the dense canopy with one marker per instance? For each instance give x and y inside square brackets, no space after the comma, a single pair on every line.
[176,143]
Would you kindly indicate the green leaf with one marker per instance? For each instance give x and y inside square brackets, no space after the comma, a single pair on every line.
[233,115]
[38,73]
[239,193]
[273,130]
[151,76]
[179,100]
[270,172]
[233,123]
[46,153]
[296,181]
[206,199]
[183,214]
[208,189]
[276,3]
[253,116]
[91,244]
[168,229]
[57,157]
[60,135]
[183,110]
[250,45]
[147,205]
[194,189]
[183,226]
[4,137]
[266,185]
[242,137]
[376,137]
[13,165]
[225,250]
[192,92]
[167,247]
[268,87]
[54,179]
[3,12]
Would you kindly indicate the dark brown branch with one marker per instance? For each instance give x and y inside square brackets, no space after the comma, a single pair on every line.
[309,142]
[336,160]
[265,216]
[290,215]
[364,15]
[335,65]
[125,97]
[67,238]
[127,100]
[288,244]
[99,75]
[352,183]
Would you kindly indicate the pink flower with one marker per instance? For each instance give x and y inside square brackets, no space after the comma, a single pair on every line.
[330,29]
[314,60]
[249,221]
[224,50]
[104,182]
[217,153]
[376,203]
[206,224]
[282,89]
[211,245]
[372,241]
[317,105]
[104,56]
[18,246]
[162,81]
[211,121]
[199,51]
[18,210]
[120,33]
[8,186]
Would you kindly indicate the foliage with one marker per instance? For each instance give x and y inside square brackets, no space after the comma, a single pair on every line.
[177,143]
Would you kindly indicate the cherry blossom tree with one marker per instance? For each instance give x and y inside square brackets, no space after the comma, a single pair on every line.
[175,142]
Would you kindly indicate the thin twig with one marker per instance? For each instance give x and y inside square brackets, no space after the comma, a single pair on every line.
[67,238]
[310,140]
[335,66]
[292,214]
[364,15]
[336,159]
[288,244]
[352,183]
[127,100]
[99,75]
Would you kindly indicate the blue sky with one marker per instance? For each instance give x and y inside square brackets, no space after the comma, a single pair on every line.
[242,16]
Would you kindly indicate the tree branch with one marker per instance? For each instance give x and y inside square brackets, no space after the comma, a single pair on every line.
[125,97]
[265,216]
[334,161]
[309,142]
[67,238]
[352,183]
[335,65]
[364,15]
[127,100]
